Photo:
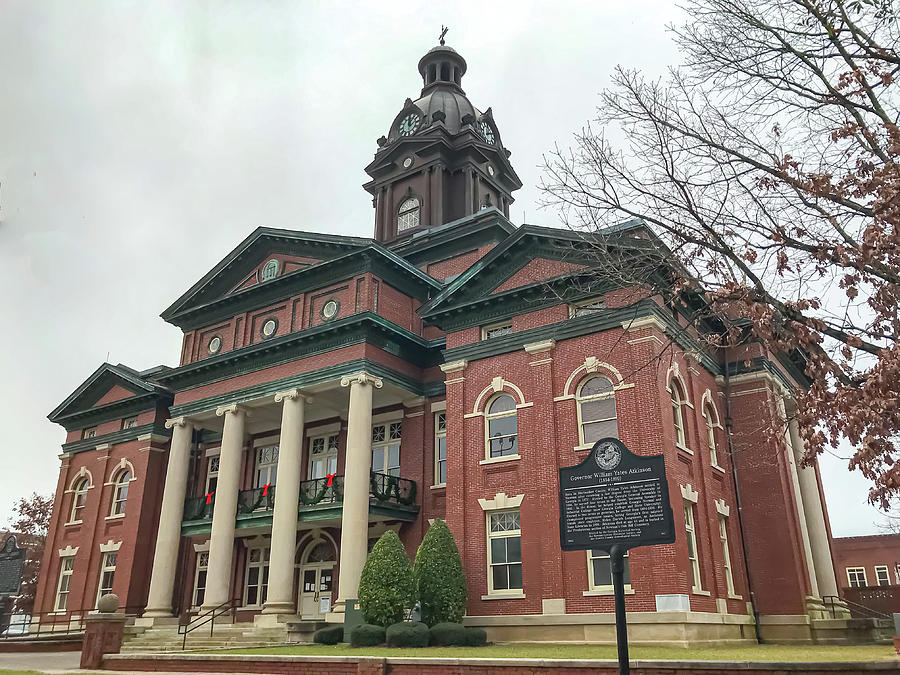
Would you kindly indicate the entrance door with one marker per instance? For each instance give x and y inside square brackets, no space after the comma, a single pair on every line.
[323,452]
[316,570]
[315,591]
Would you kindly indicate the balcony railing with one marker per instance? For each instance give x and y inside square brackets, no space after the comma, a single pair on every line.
[384,489]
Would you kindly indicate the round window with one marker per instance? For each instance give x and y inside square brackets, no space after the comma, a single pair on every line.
[330,309]
[215,344]
[407,162]
[490,169]
[269,327]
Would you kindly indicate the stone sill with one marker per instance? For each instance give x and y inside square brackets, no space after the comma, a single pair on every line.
[508,596]
[439,486]
[700,591]
[500,460]
[718,468]
[685,449]
[602,592]
[74,523]
[118,516]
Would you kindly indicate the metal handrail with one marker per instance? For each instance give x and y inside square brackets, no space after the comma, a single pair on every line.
[209,616]
[64,622]
[829,600]
[256,499]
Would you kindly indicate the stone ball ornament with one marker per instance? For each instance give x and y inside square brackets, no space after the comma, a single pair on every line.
[108,603]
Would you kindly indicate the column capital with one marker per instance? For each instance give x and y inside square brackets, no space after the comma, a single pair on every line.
[541,347]
[362,377]
[454,366]
[233,408]
[177,422]
[292,394]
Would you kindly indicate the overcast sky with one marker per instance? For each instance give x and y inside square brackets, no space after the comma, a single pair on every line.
[140,142]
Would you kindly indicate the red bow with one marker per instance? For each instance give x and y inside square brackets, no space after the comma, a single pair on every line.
[209,497]
[330,478]
[266,489]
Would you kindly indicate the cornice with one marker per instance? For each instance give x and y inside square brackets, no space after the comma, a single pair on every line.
[363,327]
[112,411]
[307,379]
[116,438]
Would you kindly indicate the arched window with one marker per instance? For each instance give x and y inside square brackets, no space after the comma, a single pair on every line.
[408,215]
[501,427]
[677,402]
[710,414]
[79,498]
[120,492]
[597,410]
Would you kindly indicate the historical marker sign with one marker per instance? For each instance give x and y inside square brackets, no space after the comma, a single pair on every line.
[12,561]
[614,497]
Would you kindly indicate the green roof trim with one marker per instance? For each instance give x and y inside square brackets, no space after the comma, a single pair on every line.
[114,438]
[363,327]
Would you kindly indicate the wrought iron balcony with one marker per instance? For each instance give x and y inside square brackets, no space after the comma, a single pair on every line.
[320,499]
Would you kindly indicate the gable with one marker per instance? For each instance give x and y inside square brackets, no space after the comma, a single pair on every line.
[274,265]
[539,269]
[116,393]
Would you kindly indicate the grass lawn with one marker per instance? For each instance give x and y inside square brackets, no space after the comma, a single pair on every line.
[563,651]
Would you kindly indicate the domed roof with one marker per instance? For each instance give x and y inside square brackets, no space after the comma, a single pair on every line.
[452,102]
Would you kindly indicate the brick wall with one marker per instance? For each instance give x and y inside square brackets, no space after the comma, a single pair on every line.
[867,552]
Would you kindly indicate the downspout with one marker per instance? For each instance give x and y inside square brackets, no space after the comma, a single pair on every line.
[737,498]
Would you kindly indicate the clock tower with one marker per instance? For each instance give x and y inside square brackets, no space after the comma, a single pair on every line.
[442,158]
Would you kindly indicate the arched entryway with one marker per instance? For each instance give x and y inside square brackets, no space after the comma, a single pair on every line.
[316,563]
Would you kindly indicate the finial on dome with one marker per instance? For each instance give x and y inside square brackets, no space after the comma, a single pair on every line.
[444,30]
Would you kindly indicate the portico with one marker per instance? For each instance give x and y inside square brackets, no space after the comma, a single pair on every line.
[286,503]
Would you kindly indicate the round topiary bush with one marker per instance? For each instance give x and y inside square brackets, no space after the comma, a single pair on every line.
[440,581]
[330,635]
[407,634]
[447,635]
[386,588]
[366,635]
[475,637]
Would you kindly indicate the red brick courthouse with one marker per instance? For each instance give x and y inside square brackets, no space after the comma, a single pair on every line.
[331,388]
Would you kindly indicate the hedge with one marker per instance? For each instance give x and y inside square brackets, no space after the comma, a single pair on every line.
[447,635]
[386,587]
[330,635]
[407,634]
[475,637]
[440,581]
[366,635]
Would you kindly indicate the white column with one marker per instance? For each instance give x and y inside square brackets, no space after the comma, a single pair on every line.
[221,539]
[168,536]
[357,469]
[801,511]
[815,518]
[287,500]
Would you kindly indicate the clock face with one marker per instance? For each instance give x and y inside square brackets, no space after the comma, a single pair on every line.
[486,131]
[409,124]
[269,328]
[215,345]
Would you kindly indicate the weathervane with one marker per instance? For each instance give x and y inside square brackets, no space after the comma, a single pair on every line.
[444,30]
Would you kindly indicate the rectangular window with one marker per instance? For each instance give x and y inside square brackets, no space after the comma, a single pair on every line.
[600,570]
[440,448]
[129,422]
[386,448]
[856,577]
[726,554]
[257,581]
[504,552]
[90,432]
[693,558]
[882,576]
[587,308]
[266,465]
[212,474]
[323,456]
[495,331]
[200,577]
[66,568]
[107,573]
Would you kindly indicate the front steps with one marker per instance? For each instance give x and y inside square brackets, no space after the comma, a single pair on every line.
[241,635]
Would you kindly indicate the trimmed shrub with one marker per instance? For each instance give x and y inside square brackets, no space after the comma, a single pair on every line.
[475,637]
[386,588]
[407,634]
[330,635]
[366,635]
[440,581]
[447,635]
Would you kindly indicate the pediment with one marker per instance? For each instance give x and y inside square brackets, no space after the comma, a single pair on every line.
[107,385]
[246,266]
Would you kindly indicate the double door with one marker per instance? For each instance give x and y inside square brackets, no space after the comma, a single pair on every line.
[315,591]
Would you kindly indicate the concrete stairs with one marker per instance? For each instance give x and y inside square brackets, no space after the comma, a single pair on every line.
[242,635]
